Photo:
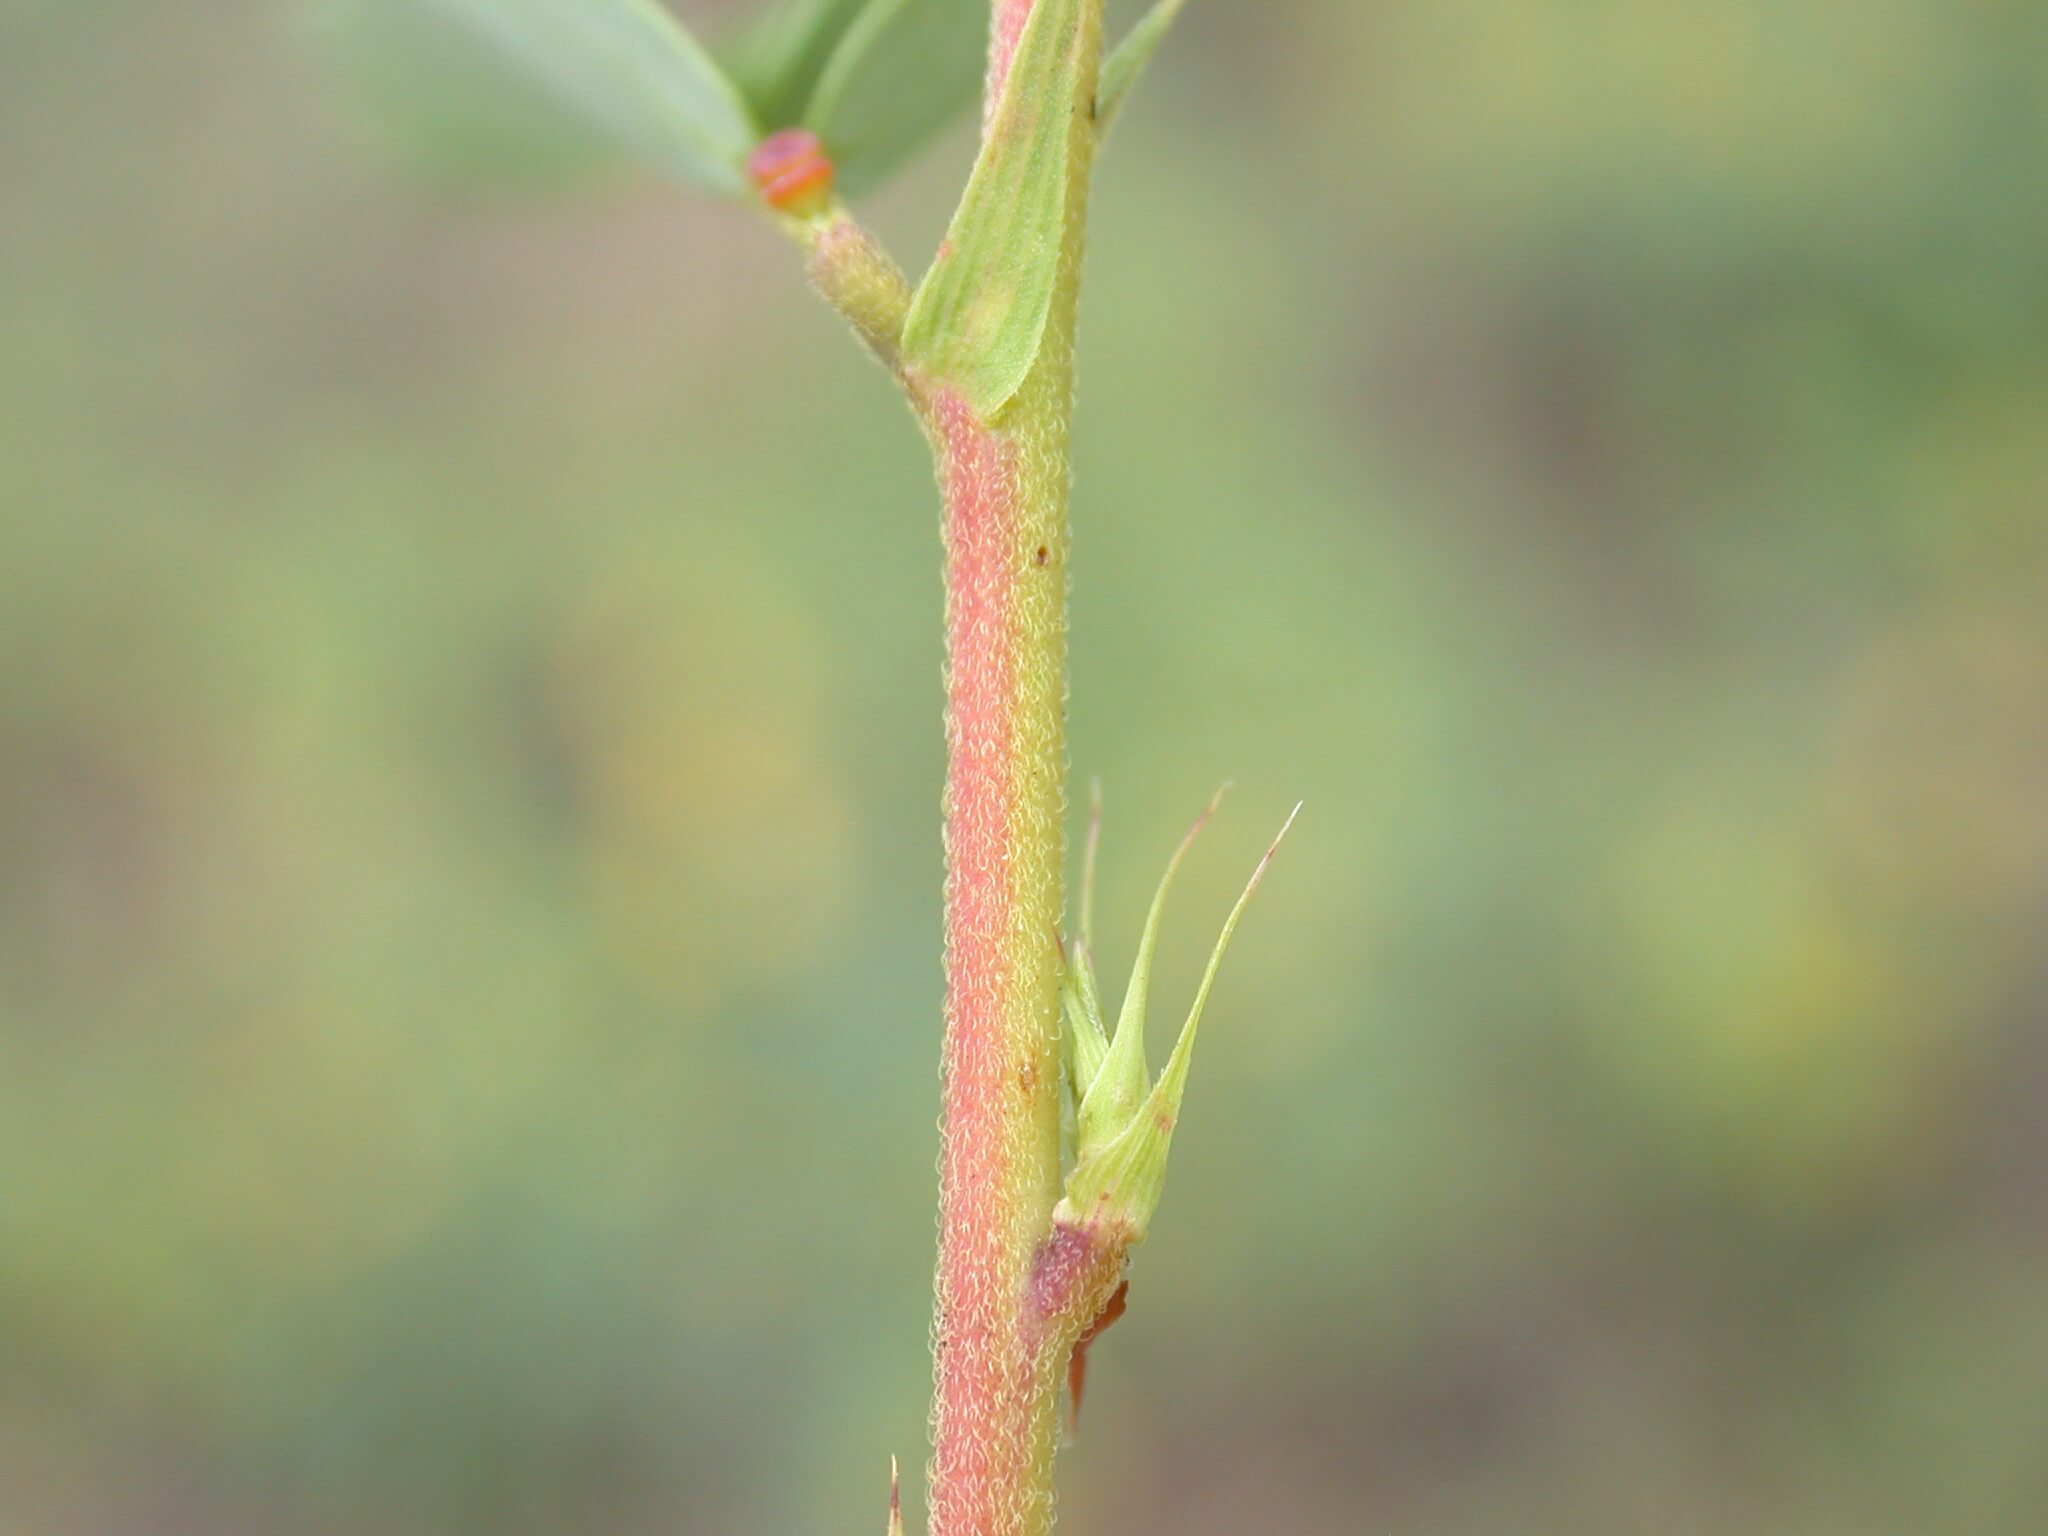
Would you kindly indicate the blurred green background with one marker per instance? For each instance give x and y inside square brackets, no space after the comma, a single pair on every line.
[469,766]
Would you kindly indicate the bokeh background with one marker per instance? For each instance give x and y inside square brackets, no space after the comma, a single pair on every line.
[469,766]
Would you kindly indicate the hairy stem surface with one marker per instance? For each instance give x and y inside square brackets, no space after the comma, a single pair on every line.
[1006,548]
[1011,1298]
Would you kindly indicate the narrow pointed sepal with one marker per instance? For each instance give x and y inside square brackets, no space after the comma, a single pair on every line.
[895,1500]
[1085,1039]
[1114,1093]
[1126,62]
[1164,1103]
[1089,852]
[1116,1183]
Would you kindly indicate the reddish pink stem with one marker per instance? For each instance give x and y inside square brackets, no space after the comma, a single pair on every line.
[973,1354]
[1012,1295]
[1007,27]
[1014,1292]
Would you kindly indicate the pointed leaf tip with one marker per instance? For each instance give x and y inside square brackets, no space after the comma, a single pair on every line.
[1166,1094]
[1127,61]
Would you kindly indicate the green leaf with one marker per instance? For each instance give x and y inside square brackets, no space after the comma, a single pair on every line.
[903,70]
[979,317]
[777,60]
[1127,61]
[446,110]
[631,70]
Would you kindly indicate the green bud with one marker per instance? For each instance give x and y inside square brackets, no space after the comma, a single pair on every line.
[1122,1132]
[1112,1094]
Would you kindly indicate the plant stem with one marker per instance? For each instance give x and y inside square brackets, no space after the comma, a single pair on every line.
[999,1170]
[1012,1296]
[1015,1291]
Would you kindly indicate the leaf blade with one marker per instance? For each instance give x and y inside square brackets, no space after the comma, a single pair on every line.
[444,112]
[632,70]
[902,70]
[777,60]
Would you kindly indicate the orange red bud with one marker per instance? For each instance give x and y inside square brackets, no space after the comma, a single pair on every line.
[793,172]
